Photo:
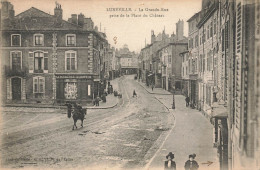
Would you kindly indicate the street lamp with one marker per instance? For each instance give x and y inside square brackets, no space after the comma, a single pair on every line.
[173,100]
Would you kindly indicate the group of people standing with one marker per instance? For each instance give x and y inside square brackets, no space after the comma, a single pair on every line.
[190,164]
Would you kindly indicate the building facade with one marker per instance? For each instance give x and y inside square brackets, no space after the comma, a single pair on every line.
[47,59]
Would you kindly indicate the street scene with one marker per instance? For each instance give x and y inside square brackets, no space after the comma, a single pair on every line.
[126,136]
[130,85]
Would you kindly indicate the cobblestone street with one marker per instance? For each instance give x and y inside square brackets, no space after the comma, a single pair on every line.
[129,135]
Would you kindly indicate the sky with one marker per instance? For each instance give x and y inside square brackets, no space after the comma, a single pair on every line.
[131,30]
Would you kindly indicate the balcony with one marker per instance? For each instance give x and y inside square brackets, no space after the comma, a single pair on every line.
[10,72]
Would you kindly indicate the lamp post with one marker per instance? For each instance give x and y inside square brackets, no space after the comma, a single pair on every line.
[173,100]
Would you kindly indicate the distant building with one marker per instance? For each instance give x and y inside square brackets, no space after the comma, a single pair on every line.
[171,65]
[128,61]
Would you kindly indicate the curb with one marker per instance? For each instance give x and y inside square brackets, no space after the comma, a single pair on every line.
[152,92]
[109,107]
[38,106]
[165,136]
[60,107]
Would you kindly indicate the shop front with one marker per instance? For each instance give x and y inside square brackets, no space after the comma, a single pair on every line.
[74,88]
[219,121]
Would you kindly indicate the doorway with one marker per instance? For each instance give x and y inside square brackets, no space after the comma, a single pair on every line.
[16,88]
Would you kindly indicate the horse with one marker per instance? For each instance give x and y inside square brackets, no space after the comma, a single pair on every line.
[78,113]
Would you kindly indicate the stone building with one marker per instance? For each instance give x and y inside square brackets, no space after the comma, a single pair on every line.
[171,65]
[228,70]
[193,60]
[154,62]
[244,102]
[46,59]
[185,73]
[128,61]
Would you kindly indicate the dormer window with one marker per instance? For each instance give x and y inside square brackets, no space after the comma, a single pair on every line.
[15,40]
[38,39]
[71,39]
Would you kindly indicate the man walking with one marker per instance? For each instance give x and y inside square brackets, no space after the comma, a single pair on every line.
[187,99]
[134,94]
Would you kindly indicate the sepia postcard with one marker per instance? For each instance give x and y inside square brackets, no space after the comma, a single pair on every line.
[141,84]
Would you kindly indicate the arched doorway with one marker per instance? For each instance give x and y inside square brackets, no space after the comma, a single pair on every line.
[16,88]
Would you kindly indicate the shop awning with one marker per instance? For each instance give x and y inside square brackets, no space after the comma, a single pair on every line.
[219,111]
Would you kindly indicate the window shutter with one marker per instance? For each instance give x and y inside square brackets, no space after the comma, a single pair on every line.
[31,64]
[76,63]
[35,85]
[45,62]
[9,89]
[41,84]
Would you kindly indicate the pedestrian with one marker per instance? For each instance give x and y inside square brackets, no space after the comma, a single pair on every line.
[187,99]
[134,94]
[69,109]
[152,86]
[191,164]
[169,163]
[97,101]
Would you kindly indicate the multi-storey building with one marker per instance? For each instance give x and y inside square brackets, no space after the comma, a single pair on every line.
[244,129]
[154,62]
[207,56]
[185,73]
[228,69]
[128,63]
[170,64]
[193,58]
[46,59]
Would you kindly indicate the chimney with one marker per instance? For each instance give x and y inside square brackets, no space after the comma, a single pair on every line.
[81,20]
[7,10]
[58,11]
[74,19]
[179,29]
[96,28]
[152,37]
[88,24]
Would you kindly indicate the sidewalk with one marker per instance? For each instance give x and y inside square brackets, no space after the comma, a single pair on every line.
[111,102]
[155,90]
[191,133]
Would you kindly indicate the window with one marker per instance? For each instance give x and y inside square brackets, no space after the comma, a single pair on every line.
[38,62]
[208,32]
[71,40]
[195,64]
[223,40]
[211,29]
[203,63]
[204,36]
[215,26]
[38,39]
[15,40]
[208,61]
[70,60]
[191,43]
[196,41]
[169,58]
[38,85]
[16,60]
